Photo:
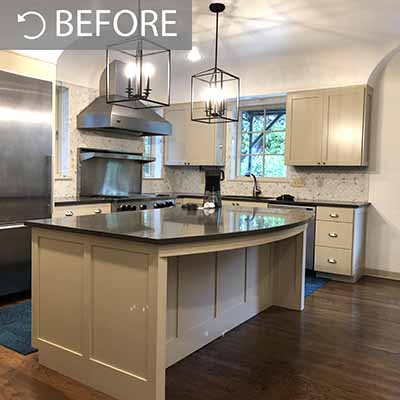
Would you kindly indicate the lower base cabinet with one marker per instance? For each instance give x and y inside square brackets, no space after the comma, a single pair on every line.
[340,243]
[79,210]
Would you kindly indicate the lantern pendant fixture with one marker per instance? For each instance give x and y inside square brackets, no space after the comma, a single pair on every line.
[212,88]
[138,72]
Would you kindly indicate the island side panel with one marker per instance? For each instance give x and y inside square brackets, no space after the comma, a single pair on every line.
[209,294]
[99,312]
[288,272]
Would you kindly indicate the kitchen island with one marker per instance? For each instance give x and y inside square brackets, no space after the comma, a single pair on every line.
[118,298]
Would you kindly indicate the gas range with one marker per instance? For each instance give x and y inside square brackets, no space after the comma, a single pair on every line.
[140,202]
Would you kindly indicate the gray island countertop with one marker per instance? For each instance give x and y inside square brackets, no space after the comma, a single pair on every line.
[177,225]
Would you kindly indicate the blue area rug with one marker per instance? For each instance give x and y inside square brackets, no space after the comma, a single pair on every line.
[313,284]
[15,327]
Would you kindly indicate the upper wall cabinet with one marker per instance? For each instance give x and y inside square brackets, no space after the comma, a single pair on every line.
[193,143]
[329,127]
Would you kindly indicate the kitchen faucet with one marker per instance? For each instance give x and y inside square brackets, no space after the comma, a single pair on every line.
[256,188]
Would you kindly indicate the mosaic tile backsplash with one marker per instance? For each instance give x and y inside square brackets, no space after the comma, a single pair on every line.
[329,184]
[315,183]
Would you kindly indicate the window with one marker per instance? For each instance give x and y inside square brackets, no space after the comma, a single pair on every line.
[261,144]
[153,147]
[63,131]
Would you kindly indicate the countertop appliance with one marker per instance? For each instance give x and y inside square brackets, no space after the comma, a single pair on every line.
[310,262]
[286,197]
[117,176]
[25,172]
[212,193]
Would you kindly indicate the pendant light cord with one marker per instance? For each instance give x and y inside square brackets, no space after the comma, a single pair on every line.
[216,41]
[140,17]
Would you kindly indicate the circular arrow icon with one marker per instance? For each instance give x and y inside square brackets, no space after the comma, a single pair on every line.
[22,18]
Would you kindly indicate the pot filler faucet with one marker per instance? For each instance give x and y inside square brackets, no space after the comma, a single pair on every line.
[256,188]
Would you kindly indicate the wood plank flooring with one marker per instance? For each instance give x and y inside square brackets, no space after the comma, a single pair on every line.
[345,346]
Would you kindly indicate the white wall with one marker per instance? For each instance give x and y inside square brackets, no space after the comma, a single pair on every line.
[268,74]
[383,243]
[261,74]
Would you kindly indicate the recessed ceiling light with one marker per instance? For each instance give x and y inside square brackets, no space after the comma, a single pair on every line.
[194,54]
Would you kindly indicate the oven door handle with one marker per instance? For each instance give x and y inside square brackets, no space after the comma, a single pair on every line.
[13,226]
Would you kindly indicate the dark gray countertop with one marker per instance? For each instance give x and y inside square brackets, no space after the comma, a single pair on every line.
[271,200]
[176,225]
[71,201]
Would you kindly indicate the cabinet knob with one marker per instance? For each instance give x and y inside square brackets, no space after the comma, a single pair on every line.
[332,261]
[98,211]
[69,213]
[333,235]
[334,215]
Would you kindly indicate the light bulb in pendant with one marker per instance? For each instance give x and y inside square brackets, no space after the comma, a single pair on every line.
[148,70]
[214,94]
[130,70]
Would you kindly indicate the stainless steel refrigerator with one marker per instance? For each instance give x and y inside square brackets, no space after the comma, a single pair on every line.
[25,172]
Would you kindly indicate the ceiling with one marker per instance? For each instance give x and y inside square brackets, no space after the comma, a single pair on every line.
[254,26]
[255,30]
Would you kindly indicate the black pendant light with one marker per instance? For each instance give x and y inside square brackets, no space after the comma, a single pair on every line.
[213,87]
[138,72]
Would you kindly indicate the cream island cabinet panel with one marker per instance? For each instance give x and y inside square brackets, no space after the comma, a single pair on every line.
[140,292]
[192,143]
[329,127]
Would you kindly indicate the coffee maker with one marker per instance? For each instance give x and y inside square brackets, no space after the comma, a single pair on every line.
[212,193]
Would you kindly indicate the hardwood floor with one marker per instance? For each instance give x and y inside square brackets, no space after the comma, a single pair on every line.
[345,346]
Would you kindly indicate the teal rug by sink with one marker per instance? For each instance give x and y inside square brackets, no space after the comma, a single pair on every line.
[15,327]
[313,284]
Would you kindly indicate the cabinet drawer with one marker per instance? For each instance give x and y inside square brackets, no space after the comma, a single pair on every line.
[76,211]
[250,204]
[333,234]
[189,200]
[333,261]
[335,214]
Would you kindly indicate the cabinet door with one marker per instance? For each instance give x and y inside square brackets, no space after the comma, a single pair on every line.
[304,128]
[345,127]
[175,151]
[200,143]
[192,143]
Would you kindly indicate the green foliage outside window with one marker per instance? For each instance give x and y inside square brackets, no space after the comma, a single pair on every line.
[262,143]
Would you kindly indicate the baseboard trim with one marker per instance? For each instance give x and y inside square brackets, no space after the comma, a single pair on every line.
[376,273]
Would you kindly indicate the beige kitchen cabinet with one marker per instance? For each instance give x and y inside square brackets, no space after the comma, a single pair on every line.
[186,200]
[340,243]
[226,203]
[193,143]
[244,203]
[79,210]
[304,128]
[329,127]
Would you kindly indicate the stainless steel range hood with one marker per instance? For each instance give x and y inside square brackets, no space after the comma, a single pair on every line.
[113,119]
